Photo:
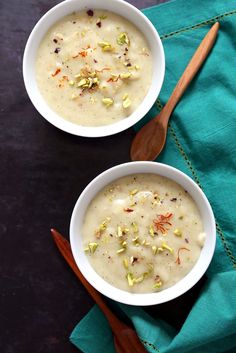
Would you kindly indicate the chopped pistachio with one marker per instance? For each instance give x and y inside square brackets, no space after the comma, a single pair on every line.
[107,101]
[125,230]
[136,239]
[165,246]
[86,249]
[90,82]
[105,46]
[154,249]
[133,204]
[123,39]
[84,83]
[119,231]
[77,76]
[92,74]
[151,231]
[137,67]
[157,285]
[103,225]
[95,80]
[120,250]
[130,279]
[135,227]
[83,34]
[126,103]
[133,192]
[71,83]
[145,242]
[139,279]
[126,263]
[92,247]
[178,232]
[160,249]
[125,75]
[102,17]
[124,243]
[149,270]
[101,229]
[125,96]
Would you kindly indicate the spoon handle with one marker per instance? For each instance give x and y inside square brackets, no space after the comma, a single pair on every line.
[192,68]
[65,249]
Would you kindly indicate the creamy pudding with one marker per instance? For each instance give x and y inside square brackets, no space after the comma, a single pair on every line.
[94,68]
[143,233]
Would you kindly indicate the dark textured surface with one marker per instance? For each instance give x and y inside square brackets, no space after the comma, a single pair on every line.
[43,171]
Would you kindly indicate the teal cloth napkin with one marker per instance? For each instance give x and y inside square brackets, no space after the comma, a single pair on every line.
[200,142]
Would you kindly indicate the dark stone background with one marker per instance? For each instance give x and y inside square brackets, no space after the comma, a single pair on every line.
[43,171]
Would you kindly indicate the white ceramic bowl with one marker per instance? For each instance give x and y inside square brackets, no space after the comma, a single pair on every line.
[117,6]
[146,298]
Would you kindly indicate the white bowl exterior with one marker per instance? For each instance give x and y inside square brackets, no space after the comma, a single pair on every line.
[146,298]
[56,13]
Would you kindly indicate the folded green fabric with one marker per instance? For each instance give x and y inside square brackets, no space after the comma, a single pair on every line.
[201,142]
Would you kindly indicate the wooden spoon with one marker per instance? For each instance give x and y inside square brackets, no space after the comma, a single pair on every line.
[150,140]
[125,338]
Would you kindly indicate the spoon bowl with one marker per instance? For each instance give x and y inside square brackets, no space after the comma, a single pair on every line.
[150,140]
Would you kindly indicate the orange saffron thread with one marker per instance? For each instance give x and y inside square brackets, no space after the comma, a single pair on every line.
[104,69]
[162,222]
[178,258]
[81,53]
[112,79]
[128,209]
[56,72]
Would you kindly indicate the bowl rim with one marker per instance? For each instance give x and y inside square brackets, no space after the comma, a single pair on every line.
[39,30]
[182,286]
